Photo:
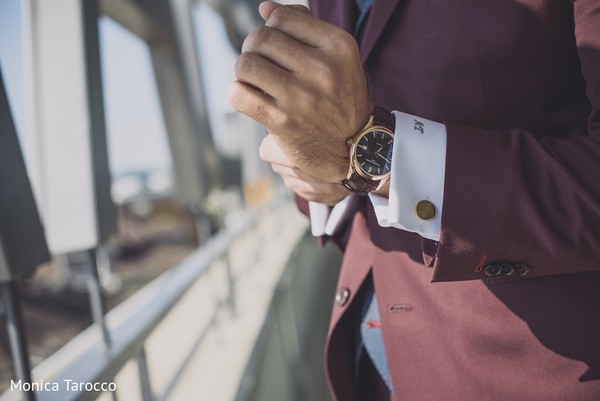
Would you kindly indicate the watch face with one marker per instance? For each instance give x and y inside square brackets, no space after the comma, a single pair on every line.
[374,152]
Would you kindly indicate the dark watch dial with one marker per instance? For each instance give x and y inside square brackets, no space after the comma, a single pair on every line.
[374,152]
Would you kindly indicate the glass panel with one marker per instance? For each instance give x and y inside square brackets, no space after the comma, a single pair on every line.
[139,155]
[11,57]
[235,135]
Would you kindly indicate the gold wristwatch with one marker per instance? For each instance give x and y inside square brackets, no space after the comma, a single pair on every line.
[371,154]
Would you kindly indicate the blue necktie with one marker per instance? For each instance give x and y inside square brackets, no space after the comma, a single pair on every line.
[363,10]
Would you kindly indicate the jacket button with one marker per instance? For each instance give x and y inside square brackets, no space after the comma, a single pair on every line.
[522,270]
[508,269]
[493,270]
[341,298]
[425,210]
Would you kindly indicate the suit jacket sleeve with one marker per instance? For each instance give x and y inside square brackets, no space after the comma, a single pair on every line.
[512,197]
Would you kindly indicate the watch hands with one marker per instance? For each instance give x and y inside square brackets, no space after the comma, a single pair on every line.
[383,157]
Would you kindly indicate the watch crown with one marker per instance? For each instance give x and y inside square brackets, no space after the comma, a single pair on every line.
[349,142]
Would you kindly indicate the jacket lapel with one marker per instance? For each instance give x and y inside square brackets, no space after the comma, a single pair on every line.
[341,12]
[380,13]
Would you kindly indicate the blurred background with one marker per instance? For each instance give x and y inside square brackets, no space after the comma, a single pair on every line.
[142,241]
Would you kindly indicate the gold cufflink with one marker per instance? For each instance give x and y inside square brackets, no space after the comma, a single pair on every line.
[425,210]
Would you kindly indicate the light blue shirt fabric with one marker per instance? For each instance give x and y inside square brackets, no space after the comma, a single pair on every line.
[372,340]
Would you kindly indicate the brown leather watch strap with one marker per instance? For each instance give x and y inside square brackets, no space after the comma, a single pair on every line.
[384,118]
[359,185]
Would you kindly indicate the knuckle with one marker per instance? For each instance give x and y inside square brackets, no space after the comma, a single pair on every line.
[234,96]
[263,150]
[279,15]
[324,71]
[331,81]
[242,64]
[281,118]
[284,120]
[277,169]
[257,38]
[344,42]
[291,184]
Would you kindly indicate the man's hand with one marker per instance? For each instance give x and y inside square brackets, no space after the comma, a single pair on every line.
[302,79]
[301,183]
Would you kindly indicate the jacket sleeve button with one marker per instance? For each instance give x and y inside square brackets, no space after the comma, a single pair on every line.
[342,296]
[508,269]
[493,270]
[522,270]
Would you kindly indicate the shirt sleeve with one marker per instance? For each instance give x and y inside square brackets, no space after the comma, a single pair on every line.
[418,170]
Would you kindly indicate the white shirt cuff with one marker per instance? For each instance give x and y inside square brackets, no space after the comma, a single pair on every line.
[319,214]
[326,222]
[418,170]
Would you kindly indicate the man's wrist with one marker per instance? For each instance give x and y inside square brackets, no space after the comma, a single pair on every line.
[345,164]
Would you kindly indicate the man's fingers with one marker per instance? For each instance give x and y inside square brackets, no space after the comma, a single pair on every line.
[278,48]
[267,7]
[252,102]
[271,153]
[254,69]
[300,24]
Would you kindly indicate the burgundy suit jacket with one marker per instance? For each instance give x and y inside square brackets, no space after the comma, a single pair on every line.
[517,83]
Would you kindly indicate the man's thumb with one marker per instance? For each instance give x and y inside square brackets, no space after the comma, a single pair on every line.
[267,7]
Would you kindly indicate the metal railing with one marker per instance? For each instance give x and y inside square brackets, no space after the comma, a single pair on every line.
[101,351]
